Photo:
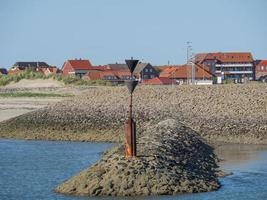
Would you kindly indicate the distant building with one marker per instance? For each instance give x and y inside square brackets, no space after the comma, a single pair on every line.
[15,70]
[21,66]
[30,65]
[120,72]
[78,67]
[160,68]
[49,70]
[261,70]
[159,81]
[3,71]
[107,75]
[232,65]
[182,73]
[143,71]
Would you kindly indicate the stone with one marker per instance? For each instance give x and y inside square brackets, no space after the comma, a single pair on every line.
[167,174]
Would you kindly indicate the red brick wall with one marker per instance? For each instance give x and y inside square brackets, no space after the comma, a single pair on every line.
[67,68]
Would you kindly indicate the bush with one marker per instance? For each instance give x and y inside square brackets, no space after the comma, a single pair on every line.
[4,80]
[29,74]
[228,81]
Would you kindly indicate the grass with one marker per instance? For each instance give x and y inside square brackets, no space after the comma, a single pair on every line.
[68,80]
[33,94]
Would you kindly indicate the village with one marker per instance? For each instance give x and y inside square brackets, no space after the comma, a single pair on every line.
[202,69]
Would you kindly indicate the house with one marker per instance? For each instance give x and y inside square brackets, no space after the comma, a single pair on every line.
[49,70]
[230,65]
[76,67]
[30,65]
[159,81]
[21,66]
[160,68]
[15,70]
[3,71]
[261,70]
[183,73]
[124,75]
[145,71]
[108,75]
[92,75]
[142,71]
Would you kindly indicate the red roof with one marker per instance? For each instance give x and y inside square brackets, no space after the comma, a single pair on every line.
[100,67]
[225,57]
[184,71]
[80,64]
[262,63]
[93,75]
[159,81]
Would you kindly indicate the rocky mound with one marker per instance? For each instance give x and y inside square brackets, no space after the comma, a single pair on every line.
[171,159]
[221,113]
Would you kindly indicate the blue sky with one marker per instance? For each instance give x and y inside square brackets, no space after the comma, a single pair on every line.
[108,31]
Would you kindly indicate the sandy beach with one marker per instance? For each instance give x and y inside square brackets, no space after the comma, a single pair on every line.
[14,106]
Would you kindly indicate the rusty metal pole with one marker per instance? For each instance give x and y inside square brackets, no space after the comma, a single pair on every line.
[133,126]
[130,126]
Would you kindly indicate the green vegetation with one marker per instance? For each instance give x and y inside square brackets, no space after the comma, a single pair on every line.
[74,80]
[33,94]
[6,79]
[228,81]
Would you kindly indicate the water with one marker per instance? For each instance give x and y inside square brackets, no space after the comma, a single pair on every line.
[30,170]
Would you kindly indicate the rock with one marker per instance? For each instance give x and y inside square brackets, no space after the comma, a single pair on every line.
[159,168]
[222,113]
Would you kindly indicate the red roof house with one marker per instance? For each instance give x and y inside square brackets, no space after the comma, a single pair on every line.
[185,71]
[99,74]
[228,65]
[261,70]
[92,75]
[159,81]
[227,57]
[76,67]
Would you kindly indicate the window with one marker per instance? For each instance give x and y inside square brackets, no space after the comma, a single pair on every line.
[151,70]
[152,76]
[146,70]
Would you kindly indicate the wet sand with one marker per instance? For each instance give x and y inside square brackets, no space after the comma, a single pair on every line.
[9,113]
[13,107]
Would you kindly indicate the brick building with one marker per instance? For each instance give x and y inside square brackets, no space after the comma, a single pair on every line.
[77,67]
[231,65]
[261,70]
[182,73]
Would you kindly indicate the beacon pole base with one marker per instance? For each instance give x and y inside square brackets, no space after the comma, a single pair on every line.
[130,138]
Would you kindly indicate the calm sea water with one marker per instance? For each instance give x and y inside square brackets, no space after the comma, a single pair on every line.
[30,170]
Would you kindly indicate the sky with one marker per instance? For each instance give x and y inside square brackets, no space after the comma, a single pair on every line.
[109,31]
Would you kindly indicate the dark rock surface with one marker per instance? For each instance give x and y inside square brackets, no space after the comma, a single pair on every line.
[172,159]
